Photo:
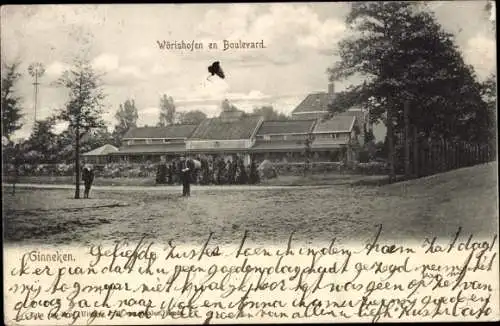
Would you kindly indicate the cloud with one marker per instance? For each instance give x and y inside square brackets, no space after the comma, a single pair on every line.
[106,62]
[115,72]
[288,31]
[480,52]
[148,116]
[56,69]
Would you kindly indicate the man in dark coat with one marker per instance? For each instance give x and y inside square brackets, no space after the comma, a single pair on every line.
[88,178]
[187,167]
[161,174]
[170,173]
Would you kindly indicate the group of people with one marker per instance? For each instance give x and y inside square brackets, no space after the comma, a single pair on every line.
[210,170]
[200,170]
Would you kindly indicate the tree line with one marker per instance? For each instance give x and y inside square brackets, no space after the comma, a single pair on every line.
[414,75]
[83,115]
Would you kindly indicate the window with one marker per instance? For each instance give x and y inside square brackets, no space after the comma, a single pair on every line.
[267,137]
[148,141]
[166,141]
[334,136]
[284,137]
[130,142]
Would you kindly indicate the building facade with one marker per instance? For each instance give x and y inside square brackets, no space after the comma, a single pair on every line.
[150,143]
[231,135]
[331,137]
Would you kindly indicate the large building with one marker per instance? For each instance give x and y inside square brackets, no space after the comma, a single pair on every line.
[331,138]
[230,134]
[149,143]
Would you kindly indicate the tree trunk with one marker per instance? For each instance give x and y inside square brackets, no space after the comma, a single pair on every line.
[77,163]
[407,139]
[416,171]
[390,143]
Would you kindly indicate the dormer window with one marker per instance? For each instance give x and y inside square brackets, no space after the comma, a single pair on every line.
[166,140]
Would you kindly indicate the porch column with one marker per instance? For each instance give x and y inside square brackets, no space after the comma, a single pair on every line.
[246,159]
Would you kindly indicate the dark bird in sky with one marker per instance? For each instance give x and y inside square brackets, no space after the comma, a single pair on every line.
[215,69]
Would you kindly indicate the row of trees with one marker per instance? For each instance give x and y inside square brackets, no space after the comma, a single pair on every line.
[83,114]
[407,59]
[127,116]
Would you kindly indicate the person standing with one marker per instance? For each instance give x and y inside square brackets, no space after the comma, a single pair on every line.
[170,173]
[161,174]
[88,178]
[186,170]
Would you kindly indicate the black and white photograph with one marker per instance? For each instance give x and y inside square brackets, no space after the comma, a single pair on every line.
[251,124]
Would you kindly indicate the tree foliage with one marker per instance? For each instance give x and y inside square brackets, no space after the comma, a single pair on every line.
[127,118]
[83,110]
[11,103]
[489,92]
[43,142]
[192,117]
[167,111]
[405,55]
[268,113]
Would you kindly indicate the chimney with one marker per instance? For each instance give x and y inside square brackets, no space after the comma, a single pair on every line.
[331,89]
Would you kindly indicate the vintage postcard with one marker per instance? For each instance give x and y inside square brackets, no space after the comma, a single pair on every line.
[249,163]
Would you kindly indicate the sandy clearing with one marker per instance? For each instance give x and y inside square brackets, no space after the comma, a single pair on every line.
[431,206]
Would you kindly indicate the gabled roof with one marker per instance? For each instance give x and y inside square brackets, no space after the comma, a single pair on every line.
[219,129]
[335,124]
[286,127]
[361,115]
[315,102]
[153,149]
[169,132]
[103,150]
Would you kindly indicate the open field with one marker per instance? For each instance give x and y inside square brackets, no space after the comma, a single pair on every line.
[431,206]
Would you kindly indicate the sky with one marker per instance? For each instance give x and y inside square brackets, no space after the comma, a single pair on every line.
[300,40]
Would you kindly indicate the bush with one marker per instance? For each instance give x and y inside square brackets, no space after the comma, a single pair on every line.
[364,157]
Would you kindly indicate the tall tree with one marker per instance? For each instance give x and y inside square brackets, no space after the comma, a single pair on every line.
[42,142]
[268,113]
[490,97]
[11,103]
[405,55]
[65,145]
[127,118]
[83,110]
[167,111]
[192,117]
[96,138]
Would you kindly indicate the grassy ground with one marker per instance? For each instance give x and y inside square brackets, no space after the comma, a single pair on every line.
[431,206]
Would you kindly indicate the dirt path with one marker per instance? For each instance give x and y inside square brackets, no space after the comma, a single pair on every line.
[428,207]
[172,189]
